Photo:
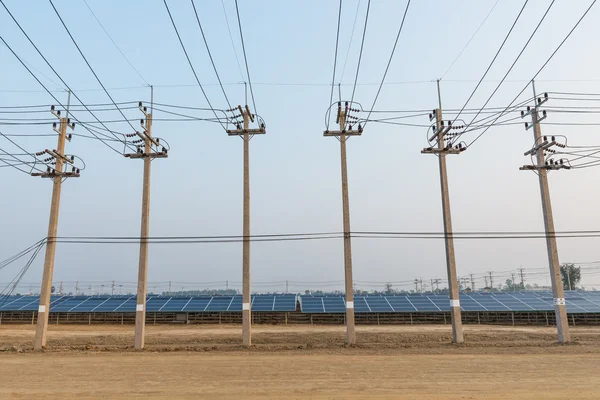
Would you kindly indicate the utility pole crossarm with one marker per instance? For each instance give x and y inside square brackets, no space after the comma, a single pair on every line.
[146,141]
[341,118]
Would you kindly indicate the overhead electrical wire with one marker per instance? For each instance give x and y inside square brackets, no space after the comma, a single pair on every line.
[514,62]
[22,149]
[10,288]
[474,235]
[53,70]
[11,163]
[390,60]
[88,64]
[237,10]
[115,43]
[335,56]
[212,61]
[190,63]
[470,40]
[362,44]
[22,253]
[349,41]
[543,66]
[495,56]
[232,43]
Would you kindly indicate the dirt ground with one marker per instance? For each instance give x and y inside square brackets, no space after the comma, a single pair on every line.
[299,362]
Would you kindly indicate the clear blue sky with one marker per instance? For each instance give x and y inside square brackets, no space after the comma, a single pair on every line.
[295,171]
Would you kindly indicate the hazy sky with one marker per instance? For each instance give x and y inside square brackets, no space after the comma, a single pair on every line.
[295,171]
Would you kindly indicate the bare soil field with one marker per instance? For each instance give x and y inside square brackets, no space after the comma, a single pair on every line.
[299,362]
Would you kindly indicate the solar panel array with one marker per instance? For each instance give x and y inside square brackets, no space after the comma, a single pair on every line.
[153,303]
[577,302]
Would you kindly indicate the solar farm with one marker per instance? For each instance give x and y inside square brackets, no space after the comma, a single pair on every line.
[478,307]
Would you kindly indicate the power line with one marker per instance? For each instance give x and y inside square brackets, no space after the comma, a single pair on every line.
[54,97]
[469,42]
[543,66]
[351,37]
[190,63]
[12,164]
[390,60]
[51,67]
[513,64]
[237,10]
[311,84]
[210,54]
[495,56]
[231,39]
[88,64]
[337,41]
[362,44]
[113,42]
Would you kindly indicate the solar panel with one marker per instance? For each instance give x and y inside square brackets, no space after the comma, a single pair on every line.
[576,302]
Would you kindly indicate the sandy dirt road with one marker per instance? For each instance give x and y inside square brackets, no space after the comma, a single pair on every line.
[300,362]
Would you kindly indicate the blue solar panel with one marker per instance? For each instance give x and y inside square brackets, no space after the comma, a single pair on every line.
[577,302]
[312,304]
[334,304]
[378,304]
[285,303]
[401,303]
[197,304]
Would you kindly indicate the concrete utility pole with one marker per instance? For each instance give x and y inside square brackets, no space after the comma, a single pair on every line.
[472,282]
[491,280]
[416,285]
[246,134]
[57,174]
[147,153]
[343,117]
[77,288]
[541,168]
[441,151]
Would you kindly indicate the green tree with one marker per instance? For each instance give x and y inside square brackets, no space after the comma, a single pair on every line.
[571,276]
[512,286]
